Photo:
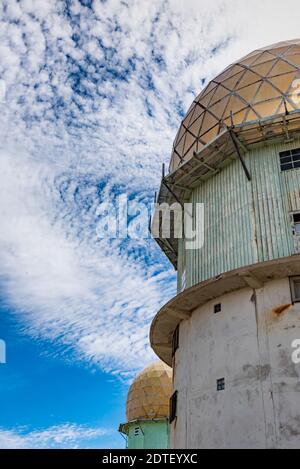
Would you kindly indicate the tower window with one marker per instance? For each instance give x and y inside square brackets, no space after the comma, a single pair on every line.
[175,341]
[173,407]
[221,384]
[136,431]
[289,159]
[295,288]
[217,308]
[296,223]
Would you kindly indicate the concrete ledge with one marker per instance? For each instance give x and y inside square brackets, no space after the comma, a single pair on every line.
[182,306]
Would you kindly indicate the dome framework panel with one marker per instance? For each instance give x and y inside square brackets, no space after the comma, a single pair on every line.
[259,86]
[148,396]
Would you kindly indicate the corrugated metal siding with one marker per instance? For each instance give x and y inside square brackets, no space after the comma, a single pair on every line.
[290,182]
[181,265]
[245,222]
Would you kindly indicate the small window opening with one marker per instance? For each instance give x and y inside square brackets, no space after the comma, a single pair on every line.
[295,288]
[173,407]
[136,431]
[221,384]
[175,341]
[296,223]
[218,308]
[290,159]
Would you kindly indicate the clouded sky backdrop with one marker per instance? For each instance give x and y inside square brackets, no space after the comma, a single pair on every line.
[94,93]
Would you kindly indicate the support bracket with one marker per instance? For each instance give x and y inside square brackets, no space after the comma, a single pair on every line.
[241,158]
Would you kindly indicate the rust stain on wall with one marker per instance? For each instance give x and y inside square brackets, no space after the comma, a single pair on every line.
[279,310]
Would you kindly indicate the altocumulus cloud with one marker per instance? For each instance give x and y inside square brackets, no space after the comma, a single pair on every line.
[59,436]
[94,92]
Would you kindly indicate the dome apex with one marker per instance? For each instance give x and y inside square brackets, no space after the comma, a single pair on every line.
[259,86]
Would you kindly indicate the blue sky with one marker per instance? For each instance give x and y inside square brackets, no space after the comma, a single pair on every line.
[94,94]
[43,391]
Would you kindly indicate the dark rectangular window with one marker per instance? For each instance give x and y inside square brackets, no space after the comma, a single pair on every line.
[296,223]
[221,384]
[175,341]
[217,308]
[289,159]
[295,288]
[173,407]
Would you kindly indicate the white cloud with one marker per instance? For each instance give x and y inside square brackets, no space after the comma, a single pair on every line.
[82,294]
[57,437]
[93,101]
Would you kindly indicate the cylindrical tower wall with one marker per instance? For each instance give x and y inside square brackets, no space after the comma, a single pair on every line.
[248,344]
[229,332]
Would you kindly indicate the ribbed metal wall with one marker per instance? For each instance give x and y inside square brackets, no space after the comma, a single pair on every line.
[245,222]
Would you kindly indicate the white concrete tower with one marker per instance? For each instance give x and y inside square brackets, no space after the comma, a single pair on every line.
[230,331]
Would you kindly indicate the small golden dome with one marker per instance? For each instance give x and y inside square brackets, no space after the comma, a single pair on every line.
[149,394]
[263,84]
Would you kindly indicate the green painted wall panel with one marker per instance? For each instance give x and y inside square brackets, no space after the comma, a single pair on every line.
[152,434]
[245,221]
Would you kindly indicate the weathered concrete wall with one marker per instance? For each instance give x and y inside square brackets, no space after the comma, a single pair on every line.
[249,344]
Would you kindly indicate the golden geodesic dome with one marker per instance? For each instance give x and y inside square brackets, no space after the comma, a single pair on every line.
[149,394]
[263,84]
